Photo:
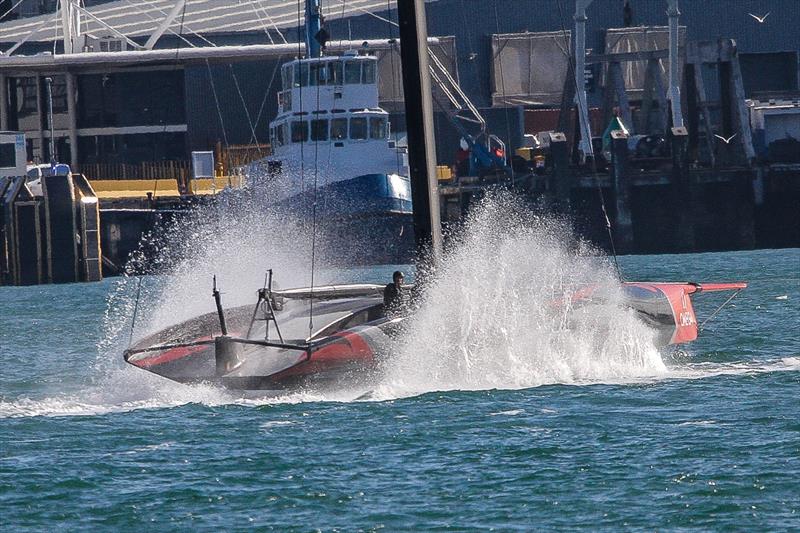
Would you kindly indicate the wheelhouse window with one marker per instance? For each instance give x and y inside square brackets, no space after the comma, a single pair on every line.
[352,72]
[319,129]
[335,73]
[338,129]
[358,128]
[377,128]
[286,76]
[280,134]
[301,75]
[368,72]
[318,73]
[299,131]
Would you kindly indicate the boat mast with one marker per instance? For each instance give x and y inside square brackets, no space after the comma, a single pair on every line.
[419,125]
[313,27]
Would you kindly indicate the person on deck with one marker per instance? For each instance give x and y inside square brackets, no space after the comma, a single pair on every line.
[394,297]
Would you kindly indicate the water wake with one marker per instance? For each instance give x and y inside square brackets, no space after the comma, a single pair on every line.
[499,314]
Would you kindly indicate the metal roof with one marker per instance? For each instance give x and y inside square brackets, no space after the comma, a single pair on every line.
[138,18]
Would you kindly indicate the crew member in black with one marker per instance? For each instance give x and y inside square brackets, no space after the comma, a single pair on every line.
[393,294]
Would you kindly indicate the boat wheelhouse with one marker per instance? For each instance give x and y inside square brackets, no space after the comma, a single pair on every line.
[329,119]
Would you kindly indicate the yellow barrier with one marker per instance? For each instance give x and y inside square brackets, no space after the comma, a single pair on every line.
[107,189]
[205,186]
[444,173]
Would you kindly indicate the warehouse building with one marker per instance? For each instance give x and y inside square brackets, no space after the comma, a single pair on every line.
[161,109]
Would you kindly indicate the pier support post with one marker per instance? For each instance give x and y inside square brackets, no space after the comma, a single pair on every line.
[580,77]
[683,191]
[3,102]
[674,80]
[40,121]
[559,181]
[72,113]
[623,222]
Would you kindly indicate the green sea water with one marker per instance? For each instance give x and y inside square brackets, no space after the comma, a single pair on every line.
[706,438]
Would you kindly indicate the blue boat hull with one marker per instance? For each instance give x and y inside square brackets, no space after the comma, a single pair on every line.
[363,220]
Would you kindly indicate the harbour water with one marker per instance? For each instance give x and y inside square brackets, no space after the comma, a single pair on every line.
[707,437]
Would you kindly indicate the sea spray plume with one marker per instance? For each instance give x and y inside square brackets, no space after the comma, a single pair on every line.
[237,237]
[501,311]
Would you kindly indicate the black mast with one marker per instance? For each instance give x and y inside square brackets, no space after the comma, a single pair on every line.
[419,123]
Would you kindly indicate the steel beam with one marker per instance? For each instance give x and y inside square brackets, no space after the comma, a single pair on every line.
[674,74]
[585,145]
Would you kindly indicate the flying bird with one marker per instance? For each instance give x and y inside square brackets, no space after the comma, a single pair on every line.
[760,19]
[723,139]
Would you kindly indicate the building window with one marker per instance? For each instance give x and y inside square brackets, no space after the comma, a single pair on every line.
[319,129]
[352,72]
[358,128]
[59,93]
[377,128]
[338,129]
[27,88]
[299,131]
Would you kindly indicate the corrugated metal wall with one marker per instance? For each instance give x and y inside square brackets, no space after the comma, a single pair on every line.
[474,21]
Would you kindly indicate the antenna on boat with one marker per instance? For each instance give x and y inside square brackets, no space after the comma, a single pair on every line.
[135,311]
[220,311]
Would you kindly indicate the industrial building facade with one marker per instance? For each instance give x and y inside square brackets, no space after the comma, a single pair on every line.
[163,110]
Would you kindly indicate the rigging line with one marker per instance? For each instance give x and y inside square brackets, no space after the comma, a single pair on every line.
[272,21]
[179,36]
[261,21]
[145,13]
[595,175]
[11,9]
[370,13]
[135,311]
[55,30]
[505,107]
[320,66]
[726,302]
[341,17]
[244,105]
[266,93]
[392,51]
[300,17]
[176,63]
[216,103]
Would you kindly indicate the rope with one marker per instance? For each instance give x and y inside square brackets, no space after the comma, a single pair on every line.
[244,105]
[261,21]
[137,7]
[135,311]
[3,16]
[594,163]
[216,103]
[266,93]
[503,91]
[398,158]
[734,295]
[272,21]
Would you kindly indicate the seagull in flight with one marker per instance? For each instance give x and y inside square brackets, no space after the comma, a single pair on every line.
[723,139]
[760,19]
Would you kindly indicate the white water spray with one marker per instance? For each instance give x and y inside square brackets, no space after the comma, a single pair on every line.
[500,313]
